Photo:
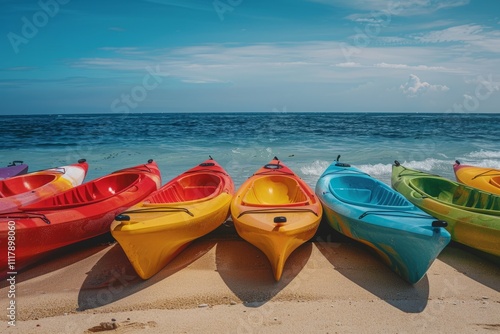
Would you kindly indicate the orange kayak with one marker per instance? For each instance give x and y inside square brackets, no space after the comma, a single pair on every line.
[28,188]
[487,179]
[276,211]
[77,214]
[189,206]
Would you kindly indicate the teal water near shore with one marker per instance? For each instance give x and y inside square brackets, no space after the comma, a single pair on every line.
[242,142]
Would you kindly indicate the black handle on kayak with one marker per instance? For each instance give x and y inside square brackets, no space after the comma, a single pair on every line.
[439,223]
[122,218]
[13,163]
[280,219]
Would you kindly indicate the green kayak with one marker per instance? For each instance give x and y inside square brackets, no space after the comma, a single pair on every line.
[473,216]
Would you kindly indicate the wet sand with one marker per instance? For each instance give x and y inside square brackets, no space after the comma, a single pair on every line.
[222,284]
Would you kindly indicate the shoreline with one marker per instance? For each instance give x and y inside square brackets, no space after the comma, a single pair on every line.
[220,283]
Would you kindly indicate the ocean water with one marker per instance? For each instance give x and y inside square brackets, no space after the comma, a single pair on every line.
[243,142]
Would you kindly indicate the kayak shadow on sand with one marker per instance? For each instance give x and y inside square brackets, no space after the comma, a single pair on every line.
[62,258]
[113,277]
[360,265]
[247,272]
[481,267]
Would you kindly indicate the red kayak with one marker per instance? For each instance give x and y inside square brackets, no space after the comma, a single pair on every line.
[29,188]
[74,215]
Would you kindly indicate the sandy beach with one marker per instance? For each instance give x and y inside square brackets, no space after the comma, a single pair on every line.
[222,284]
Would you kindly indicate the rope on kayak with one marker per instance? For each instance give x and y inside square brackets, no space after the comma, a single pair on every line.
[160,209]
[276,210]
[395,214]
[21,215]
[485,173]
[413,172]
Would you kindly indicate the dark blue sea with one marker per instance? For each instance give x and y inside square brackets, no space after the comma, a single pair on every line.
[243,142]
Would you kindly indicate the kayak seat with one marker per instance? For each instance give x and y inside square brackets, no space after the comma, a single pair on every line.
[177,192]
[275,191]
[365,191]
[353,194]
[379,196]
[19,185]
[436,188]
[92,191]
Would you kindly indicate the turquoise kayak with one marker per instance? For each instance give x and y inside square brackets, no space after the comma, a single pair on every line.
[367,210]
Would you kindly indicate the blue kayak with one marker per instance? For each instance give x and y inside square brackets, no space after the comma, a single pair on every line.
[371,212]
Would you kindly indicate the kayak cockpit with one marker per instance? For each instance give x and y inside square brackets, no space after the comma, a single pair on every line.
[495,181]
[22,184]
[275,190]
[456,194]
[86,193]
[361,190]
[189,188]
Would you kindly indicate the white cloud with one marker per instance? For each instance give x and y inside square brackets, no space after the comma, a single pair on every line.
[348,64]
[462,33]
[475,38]
[415,87]
[317,62]
[411,67]
[400,8]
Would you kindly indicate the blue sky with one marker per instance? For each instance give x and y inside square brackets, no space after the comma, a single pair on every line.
[71,56]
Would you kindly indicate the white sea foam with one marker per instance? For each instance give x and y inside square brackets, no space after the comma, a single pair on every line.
[316,168]
[482,154]
[376,169]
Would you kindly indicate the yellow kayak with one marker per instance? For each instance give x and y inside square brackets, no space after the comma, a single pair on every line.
[487,179]
[276,211]
[191,205]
